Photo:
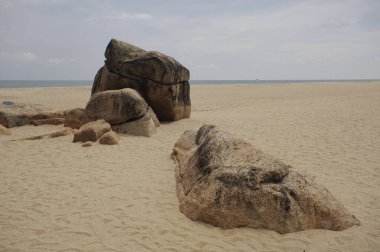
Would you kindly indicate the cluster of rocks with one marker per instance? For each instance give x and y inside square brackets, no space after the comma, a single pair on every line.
[125,110]
[220,179]
[130,94]
[92,131]
[161,80]
[225,181]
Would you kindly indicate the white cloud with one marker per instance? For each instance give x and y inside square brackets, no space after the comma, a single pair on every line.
[60,60]
[208,66]
[5,4]
[12,3]
[18,56]
[123,16]
[292,39]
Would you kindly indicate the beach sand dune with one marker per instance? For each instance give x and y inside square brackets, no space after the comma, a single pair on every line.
[58,196]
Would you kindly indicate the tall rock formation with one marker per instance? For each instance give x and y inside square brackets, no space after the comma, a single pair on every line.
[160,79]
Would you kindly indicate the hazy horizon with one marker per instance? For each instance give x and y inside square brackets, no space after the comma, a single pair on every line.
[216,40]
[367,79]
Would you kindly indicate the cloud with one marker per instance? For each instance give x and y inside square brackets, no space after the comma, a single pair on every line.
[120,16]
[60,60]
[208,66]
[18,56]
[12,3]
[214,39]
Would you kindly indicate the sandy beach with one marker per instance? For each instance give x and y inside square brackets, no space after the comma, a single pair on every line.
[58,196]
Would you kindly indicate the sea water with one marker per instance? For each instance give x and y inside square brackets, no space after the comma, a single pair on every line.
[73,83]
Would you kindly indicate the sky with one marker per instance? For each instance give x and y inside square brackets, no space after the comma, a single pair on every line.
[215,40]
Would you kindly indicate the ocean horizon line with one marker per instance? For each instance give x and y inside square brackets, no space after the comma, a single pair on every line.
[73,83]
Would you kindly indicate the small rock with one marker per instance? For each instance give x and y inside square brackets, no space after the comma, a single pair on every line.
[92,131]
[109,138]
[87,144]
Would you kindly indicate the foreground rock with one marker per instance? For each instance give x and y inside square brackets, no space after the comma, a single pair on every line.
[92,131]
[162,81]
[116,106]
[227,182]
[4,131]
[141,127]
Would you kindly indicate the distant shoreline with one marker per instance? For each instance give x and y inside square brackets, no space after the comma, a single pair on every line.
[78,83]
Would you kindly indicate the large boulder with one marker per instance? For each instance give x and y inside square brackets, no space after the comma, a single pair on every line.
[92,131]
[225,181]
[116,106]
[163,81]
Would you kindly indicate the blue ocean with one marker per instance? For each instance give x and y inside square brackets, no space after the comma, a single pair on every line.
[74,83]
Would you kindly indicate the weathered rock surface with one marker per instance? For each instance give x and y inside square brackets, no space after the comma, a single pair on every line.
[46,115]
[61,133]
[74,118]
[51,121]
[4,131]
[132,61]
[153,116]
[87,144]
[109,138]
[92,131]
[16,114]
[162,81]
[11,119]
[140,127]
[19,114]
[227,182]
[116,106]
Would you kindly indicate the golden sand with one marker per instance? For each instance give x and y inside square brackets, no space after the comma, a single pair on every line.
[58,196]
